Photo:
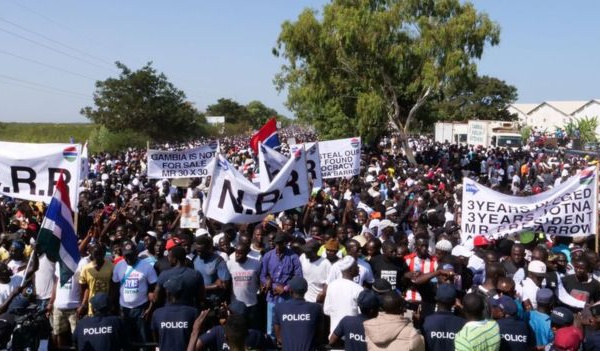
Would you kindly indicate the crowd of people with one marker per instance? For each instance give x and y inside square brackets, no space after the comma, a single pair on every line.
[376,262]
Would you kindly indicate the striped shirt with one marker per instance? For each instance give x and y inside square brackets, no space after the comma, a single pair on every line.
[416,264]
[478,336]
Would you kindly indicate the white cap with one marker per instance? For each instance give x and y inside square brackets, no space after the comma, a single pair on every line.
[386,223]
[152,233]
[444,245]
[460,250]
[201,231]
[536,267]
[346,262]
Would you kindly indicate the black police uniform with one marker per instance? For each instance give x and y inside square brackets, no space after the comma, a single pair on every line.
[298,320]
[99,333]
[439,330]
[174,325]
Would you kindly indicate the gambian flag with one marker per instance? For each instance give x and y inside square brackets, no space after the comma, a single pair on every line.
[57,238]
[267,135]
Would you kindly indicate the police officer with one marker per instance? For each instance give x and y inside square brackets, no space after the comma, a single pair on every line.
[441,326]
[351,328]
[172,324]
[515,334]
[298,324]
[100,331]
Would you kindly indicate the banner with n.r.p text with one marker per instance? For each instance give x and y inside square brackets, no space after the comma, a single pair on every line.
[569,209]
[30,171]
[188,163]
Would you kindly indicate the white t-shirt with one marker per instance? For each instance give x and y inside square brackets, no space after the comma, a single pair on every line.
[44,278]
[67,296]
[245,280]
[315,274]
[134,282]
[341,301]
[8,288]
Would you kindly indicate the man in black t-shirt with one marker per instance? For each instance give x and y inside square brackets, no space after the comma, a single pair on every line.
[99,332]
[582,285]
[515,261]
[351,328]
[388,266]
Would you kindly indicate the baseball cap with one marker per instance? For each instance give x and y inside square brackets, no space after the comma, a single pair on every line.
[567,339]
[537,267]
[298,285]
[171,243]
[237,307]
[128,248]
[481,240]
[386,223]
[506,304]
[544,296]
[99,301]
[446,293]
[526,237]
[367,300]
[561,316]
[460,250]
[152,233]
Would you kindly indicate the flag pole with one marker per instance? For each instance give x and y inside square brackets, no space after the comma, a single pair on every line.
[33,252]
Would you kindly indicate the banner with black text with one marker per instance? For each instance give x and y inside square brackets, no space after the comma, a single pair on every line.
[569,209]
[30,171]
[189,163]
[234,199]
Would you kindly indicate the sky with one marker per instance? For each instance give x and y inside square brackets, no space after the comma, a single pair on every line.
[53,52]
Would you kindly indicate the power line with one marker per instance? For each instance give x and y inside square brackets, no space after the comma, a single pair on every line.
[43,86]
[46,65]
[51,48]
[56,42]
[39,89]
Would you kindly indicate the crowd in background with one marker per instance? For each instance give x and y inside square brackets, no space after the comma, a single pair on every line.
[375,262]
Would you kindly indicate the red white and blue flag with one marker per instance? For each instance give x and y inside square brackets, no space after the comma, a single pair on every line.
[57,237]
[267,135]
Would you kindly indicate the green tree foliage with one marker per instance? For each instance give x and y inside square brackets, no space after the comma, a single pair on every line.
[144,101]
[259,114]
[365,63]
[102,139]
[476,98]
[584,128]
[233,111]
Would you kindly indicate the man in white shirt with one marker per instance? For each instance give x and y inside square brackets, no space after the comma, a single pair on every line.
[135,280]
[528,288]
[365,274]
[315,270]
[342,294]
[245,278]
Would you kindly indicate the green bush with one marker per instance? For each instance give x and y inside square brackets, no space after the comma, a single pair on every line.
[101,139]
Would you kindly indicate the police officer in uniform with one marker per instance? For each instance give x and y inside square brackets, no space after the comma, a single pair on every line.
[441,326]
[298,324]
[172,324]
[516,335]
[351,328]
[101,331]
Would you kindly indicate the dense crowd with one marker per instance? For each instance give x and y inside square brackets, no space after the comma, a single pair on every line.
[376,262]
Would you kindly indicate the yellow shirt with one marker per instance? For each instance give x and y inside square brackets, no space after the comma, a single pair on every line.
[97,281]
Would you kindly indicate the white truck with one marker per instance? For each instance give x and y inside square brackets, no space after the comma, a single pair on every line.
[452,132]
[494,133]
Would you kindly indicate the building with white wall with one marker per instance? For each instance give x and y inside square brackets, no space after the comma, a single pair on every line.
[551,114]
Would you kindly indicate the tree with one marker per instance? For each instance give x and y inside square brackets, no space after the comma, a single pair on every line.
[259,114]
[232,110]
[146,102]
[476,98]
[367,64]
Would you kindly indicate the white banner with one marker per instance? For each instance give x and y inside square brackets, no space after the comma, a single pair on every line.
[569,209]
[234,199]
[189,213]
[313,162]
[340,158]
[30,171]
[190,163]
[270,162]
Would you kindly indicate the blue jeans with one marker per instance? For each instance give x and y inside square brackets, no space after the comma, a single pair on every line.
[135,326]
[270,306]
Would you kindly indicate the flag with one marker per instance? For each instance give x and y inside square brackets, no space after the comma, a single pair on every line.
[270,162]
[266,135]
[85,163]
[57,238]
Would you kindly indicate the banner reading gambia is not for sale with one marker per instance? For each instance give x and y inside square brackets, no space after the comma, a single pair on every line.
[569,209]
[190,163]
